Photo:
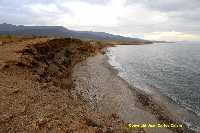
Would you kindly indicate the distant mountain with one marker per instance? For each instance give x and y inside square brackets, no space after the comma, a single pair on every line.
[59,31]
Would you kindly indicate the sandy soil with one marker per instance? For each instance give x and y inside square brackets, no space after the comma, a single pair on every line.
[97,82]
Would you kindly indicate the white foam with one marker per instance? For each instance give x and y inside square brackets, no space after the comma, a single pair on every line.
[112,60]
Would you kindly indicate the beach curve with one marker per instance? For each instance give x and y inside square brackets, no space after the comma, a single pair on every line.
[98,83]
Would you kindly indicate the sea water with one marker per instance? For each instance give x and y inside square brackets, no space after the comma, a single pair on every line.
[173,69]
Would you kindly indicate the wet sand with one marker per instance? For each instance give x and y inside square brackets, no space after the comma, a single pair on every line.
[98,84]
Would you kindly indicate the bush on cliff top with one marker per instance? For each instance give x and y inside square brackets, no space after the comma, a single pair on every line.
[67,56]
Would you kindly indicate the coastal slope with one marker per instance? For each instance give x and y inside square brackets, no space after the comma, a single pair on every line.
[36,88]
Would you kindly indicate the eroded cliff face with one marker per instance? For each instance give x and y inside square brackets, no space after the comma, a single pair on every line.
[35,89]
[51,59]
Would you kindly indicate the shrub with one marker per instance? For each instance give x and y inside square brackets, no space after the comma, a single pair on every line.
[67,56]
[67,61]
[67,52]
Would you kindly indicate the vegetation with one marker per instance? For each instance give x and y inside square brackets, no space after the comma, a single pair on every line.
[67,56]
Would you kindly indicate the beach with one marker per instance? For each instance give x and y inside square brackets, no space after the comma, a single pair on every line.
[68,85]
[98,83]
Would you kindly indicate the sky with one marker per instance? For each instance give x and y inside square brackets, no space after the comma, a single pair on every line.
[170,20]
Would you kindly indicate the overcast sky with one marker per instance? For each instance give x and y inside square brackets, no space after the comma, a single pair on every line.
[149,19]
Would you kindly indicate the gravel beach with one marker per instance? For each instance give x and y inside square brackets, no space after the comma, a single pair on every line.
[98,83]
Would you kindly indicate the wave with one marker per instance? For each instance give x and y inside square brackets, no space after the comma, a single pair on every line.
[123,73]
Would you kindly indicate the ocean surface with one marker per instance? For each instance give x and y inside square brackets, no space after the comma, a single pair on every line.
[172,69]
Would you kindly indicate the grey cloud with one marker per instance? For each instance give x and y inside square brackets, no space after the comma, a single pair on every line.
[96,1]
[16,12]
[184,15]
[19,12]
[168,5]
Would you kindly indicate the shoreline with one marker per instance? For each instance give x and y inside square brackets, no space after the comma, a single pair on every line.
[47,98]
[131,103]
[184,113]
[160,106]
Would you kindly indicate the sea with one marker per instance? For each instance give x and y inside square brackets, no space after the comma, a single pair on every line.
[172,69]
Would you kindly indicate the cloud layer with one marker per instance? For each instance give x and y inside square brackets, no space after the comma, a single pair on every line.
[151,19]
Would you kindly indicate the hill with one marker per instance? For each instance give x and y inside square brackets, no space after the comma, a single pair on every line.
[59,31]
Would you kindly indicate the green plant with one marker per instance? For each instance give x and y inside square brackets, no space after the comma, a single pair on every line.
[67,61]
[67,52]
[67,56]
